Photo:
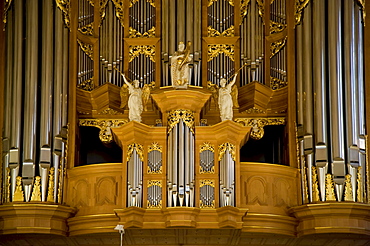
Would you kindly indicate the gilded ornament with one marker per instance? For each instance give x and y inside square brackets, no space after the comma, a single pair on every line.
[18,193]
[209,182]
[109,111]
[299,6]
[86,48]
[119,10]
[275,47]
[276,27]
[255,110]
[105,134]
[329,188]
[216,49]
[7,5]
[102,5]
[154,146]
[136,34]
[154,183]
[261,9]
[147,50]
[65,7]
[229,32]
[244,5]
[91,2]
[222,150]
[51,185]
[258,124]
[367,169]
[7,185]
[360,192]
[348,195]
[207,146]
[315,186]
[187,116]
[362,7]
[36,192]
[139,151]
[152,2]
[87,85]
[277,83]
[210,2]
[87,29]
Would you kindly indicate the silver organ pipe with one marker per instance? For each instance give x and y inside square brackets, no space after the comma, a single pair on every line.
[181,22]
[207,194]
[33,96]
[180,171]
[154,161]
[134,180]
[227,179]
[344,147]
[154,194]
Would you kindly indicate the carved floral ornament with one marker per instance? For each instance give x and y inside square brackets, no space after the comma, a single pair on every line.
[136,34]
[229,32]
[139,150]
[185,115]
[222,150]
[257,125]
[154,146]
[210,2]
[147,50]
[86,48]
[105,125]
[207,146]
[216,49]
[65,7]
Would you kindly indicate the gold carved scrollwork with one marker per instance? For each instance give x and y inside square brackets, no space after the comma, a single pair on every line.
[102,5]
[7,5]
[7,186]
[186,115]
[136,34]
[275,47]
[119,10]
[154,183]
[216,49]
[154,146]
[315,186]
[244,5]
[36,192]
[207,146]
[156,204]
[229,32]
[210,2]
[258,124]
[211,183]
[104,125]
[255,110]
[65,7]
[348,194]
[299,6]
[86,48]
[362,7]
[109,111]
[152,2]
[51,185]
[139,151]
[18,193]
[360,191]
[87,29]
[276,27]
[222,150]
[261,8]
[147,50]
[329,188]
[87,85]
[277,83]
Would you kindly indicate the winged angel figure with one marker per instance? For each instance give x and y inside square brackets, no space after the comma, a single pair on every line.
[135,97]
[226,96]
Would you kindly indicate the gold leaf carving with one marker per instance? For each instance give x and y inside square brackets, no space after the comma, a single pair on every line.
[105,125]
[87,29]
[299,6]
[216,49]
[7,186]
[152,2]
[154,183]
[207,146]
[7,5]
[139,151]
[276,27]
[210,2]
[360,191]
[348,195]
[227,33]
[102,5]
[119,10]
[329,188]
[362,7]
[147,50]
[222,150]
[36,191]
[109,111]
[86,48]
[154,146]
[87,85]
[244,5]
[50,197]
[207,182]
[257,125]
[255,110]
[186,115]
[154,203]
[275,47]
[65,7]
[136,34]
[315,186]
[18,193]
[277,83]
[261,9]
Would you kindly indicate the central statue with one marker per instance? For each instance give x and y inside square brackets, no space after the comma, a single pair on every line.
[180,70]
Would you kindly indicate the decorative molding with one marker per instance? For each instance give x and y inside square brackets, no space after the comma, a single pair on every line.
[211,183]
[102,5]
[244,5]
[215,49]
[362,7]
[7,186]
[109,111]
[147,50]
[255,110]
[152,2]
[105,125]
[222,150]
[360,190]
[187,116]
[258,124]
[136,34]
[210,2]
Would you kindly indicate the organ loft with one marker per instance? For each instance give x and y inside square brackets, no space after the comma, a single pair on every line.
[184,122]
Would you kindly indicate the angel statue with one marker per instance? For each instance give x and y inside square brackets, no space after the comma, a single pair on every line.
[135,97]
[180,70]
[226,96]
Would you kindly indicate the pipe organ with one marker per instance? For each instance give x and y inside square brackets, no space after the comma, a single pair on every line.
[36,85]
[135,175]
[332,143]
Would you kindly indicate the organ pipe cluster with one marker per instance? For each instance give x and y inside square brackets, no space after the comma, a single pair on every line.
[181,22]
[330,92]
[134,176]
[35,103]
[227,176]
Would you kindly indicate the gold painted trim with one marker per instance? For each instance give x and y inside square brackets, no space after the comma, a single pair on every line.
[216,49]
[276,27]
[258,124]
[136,34]
[186,115]
[87,29]
[118,4]
[363,9]
[227,33]
[206,146]
[222,150]
[139,151]
[329,188]
[147,50]
[155,146]
[152,2]
[244,6]
[86,48]
[275,47]
[348,194]
[210,2]
[50,197]
[7,185]
[36,191]
[315,186]
[102,6]
[105,125]
[18,193]
[360,191]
